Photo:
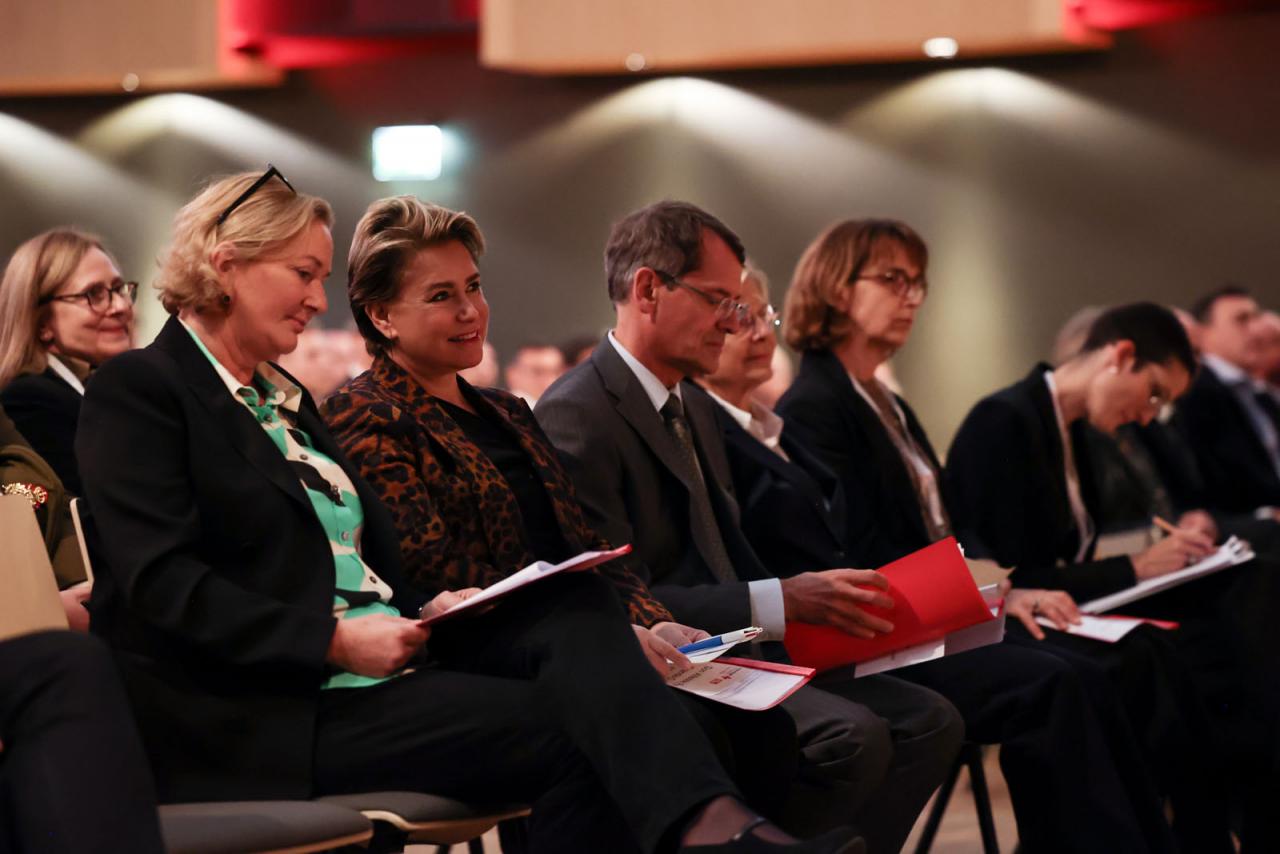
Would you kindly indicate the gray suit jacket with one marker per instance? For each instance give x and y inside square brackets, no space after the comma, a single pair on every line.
[629,479]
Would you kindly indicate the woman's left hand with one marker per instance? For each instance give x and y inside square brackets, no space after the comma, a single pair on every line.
[677,634]
[662,654]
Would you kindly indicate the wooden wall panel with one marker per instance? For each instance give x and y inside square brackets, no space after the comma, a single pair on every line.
[591,37]
[88,46]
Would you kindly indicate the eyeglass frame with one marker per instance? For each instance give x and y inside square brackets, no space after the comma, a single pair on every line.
[272,172]
[127,289]
[727,309]
[903,286]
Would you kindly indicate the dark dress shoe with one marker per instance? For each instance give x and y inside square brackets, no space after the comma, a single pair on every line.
[842,840]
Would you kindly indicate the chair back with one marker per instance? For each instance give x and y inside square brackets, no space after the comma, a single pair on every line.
[76,505]
[30,601]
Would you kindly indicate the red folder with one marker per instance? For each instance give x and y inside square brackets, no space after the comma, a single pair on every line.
[934,594]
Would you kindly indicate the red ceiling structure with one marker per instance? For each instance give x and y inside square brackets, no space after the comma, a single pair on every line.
[289,34]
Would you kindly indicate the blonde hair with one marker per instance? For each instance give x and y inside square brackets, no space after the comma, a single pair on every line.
[388,236]
[816,313]
[37,269]
[260,225]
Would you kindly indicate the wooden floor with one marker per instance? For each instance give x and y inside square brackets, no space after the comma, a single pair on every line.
[957,835]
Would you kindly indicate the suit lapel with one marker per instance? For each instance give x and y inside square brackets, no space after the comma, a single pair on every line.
[861,418]
[701,415]
[242,430]
[1048,439]
[637,410]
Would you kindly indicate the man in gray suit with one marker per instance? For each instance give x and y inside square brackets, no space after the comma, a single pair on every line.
[650,468]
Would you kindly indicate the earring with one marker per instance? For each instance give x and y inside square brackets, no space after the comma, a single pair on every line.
[225,299]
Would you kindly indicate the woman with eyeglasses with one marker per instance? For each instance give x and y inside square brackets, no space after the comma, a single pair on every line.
[251,587]
[64,310]
[852,304]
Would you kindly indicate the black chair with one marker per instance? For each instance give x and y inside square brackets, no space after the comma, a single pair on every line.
[970,757]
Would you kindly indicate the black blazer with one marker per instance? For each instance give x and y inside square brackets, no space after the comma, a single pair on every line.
[216,582]
[792,512]
[46,410]
[1006,466]
[882,520]
[626,468]
[1238,474]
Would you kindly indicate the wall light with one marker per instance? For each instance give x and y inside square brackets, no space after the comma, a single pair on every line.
[407,153]
[941,47]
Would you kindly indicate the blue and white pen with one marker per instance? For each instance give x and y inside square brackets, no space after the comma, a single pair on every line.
[726,639]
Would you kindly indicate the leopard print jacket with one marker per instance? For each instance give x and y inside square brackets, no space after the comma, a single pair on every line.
[458,520]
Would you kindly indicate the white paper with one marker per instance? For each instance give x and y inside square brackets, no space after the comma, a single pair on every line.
[961,640]
[1233,552]
[743,684]
[535,571]
[1108,629]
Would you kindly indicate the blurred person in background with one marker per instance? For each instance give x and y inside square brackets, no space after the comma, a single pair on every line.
[64,310]
[1226,418]
[532,370]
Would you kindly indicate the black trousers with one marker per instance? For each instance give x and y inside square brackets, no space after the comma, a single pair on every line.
[73,776]
[874,750]
[546,699]
[1075,780]
[1228,640]
[1179,741]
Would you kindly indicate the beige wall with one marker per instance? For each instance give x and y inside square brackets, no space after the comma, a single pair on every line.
[1149,172]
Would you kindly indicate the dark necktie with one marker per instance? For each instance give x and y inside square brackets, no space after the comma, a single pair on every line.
[706,531]
[1268,404]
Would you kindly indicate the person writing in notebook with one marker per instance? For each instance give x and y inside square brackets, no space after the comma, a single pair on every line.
[853,301]
[1042,711]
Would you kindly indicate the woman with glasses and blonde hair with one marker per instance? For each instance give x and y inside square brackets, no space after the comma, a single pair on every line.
[64,310]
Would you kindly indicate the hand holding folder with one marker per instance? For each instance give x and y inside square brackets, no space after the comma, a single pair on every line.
[934,595]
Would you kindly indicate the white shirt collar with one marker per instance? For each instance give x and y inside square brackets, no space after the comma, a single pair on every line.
[1227,372]
[760,421]
[68,376]
[281,392]
[653,387]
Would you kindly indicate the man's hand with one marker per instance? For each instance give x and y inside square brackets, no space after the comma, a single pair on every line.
[1055,605]
[73,599]
[1181,548]
[664,657]
[446,600]
[834,597]
[1200,522]
[376,645]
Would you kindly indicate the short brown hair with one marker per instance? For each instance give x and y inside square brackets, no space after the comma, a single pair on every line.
[816,313]
[388,236]
[263,223]
[665,237]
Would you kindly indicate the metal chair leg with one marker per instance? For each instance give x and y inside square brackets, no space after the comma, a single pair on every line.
[981,798]
[939,807]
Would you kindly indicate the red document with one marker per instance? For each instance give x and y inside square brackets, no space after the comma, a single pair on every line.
[934,594]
